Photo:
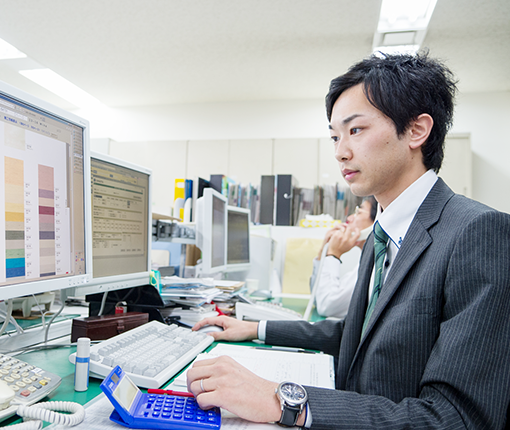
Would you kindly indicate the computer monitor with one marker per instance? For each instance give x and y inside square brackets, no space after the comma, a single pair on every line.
[121,225]
[211,231]
[238,239]
[199,185]
[44,196]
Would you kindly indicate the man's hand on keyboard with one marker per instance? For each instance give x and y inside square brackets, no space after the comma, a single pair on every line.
[233,329]
[225,383]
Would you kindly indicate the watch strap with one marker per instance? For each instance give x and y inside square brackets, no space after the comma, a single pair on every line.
[290,415]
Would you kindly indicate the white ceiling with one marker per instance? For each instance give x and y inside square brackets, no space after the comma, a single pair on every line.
[154,52]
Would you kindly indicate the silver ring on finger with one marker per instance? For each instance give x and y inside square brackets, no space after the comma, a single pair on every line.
[202,385]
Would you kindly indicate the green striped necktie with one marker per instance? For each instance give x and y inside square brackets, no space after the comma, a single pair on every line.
[380,242]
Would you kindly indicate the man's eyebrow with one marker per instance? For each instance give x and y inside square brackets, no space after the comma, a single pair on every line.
[348,119]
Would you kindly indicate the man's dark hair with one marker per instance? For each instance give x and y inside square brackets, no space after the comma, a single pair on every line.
[373,206]
[403,87]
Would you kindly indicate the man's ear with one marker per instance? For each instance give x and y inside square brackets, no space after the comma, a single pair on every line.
[419,130]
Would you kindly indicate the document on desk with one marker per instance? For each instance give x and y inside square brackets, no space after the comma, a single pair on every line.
[98,410]
[306,369]
[271,364]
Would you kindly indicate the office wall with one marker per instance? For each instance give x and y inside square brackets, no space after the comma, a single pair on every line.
[482,116]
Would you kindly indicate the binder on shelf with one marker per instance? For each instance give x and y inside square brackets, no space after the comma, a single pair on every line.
[179,198]
[284,186]
[199,184]
[216,182]
[267,184]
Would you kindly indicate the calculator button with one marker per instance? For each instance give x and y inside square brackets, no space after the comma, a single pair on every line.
[188,417]
[25,393]
[14,387]
[155,414]
[43,382]
[8,379]
[15,376]
[201,418]
[166,414]
[21,384]
[177,416]
[32,389]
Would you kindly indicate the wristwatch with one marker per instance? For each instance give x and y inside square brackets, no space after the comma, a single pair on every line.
[293,399]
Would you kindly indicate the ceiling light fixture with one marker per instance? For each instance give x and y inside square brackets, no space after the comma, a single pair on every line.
[8,52]
[55,83]
[402,25]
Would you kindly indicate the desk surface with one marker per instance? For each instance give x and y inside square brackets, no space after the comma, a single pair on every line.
[57,361]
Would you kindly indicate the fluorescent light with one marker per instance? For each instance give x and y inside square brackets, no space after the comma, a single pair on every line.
[405,14]
[402,25]
[8,52]
[55,83]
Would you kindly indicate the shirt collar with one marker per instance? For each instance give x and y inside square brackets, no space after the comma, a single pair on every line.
[397,217]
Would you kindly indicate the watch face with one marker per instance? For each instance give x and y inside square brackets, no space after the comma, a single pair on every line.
[293,393]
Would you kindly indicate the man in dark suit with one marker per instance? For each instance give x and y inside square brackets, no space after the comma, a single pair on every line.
[426,341]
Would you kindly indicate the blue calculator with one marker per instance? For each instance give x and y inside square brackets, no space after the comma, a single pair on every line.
[139,410]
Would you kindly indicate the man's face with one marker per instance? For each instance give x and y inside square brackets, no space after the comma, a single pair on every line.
[361,218]
[372,158]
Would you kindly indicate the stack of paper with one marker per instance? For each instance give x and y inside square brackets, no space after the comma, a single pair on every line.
[190,315]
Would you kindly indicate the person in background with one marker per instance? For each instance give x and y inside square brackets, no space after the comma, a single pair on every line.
[425,341]
[334,292]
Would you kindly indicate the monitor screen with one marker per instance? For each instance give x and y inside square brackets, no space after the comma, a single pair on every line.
[121,225]
[238,238]
[44,198]
[211,231]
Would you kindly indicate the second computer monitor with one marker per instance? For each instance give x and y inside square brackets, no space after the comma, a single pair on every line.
[238,239]
[121,225]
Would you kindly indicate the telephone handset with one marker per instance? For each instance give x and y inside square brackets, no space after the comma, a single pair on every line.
[6,395]
[365,233]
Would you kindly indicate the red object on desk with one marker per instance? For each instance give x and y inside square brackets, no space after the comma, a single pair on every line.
[217,309]
[170,392]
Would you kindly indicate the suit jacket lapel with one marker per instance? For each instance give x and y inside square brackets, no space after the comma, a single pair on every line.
[415,243]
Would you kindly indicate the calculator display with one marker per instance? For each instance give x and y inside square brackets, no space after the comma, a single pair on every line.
[125,393]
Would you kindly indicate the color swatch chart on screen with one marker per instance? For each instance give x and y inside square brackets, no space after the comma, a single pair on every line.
[33,205]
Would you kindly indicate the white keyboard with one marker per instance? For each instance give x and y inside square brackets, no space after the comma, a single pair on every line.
[150,354]
[265,311]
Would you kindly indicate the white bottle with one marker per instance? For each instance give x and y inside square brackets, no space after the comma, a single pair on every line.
[81,370]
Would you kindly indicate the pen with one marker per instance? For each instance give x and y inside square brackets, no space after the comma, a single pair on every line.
[170,392]
[284,348]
